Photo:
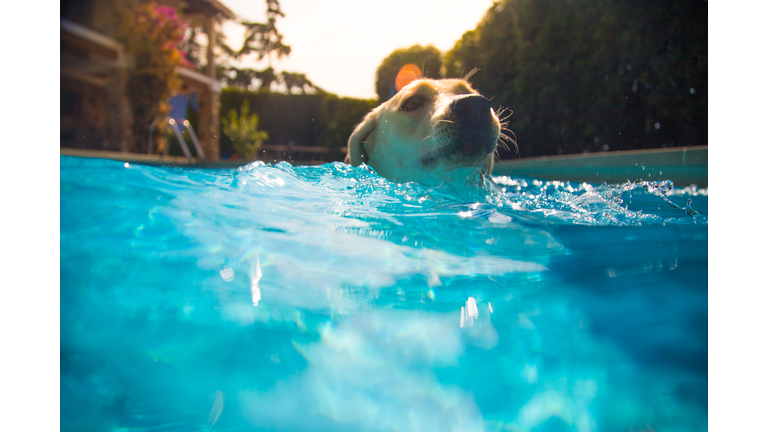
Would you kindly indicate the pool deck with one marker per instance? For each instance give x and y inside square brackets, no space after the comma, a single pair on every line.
[683,165]
[153,160]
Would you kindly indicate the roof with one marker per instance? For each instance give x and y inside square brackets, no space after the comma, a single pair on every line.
[208,8]
[197,79]
[83,38]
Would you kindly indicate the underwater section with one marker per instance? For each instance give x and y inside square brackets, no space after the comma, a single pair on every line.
[327,298]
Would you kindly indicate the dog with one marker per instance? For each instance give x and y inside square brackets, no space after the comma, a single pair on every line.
[431,132]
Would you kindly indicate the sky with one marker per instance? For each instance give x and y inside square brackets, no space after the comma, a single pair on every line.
[339,44]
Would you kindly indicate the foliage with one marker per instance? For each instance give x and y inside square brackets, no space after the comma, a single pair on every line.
[241,78]
[196,53]
[263,38]
[244,79]
[319,119]
[592,75]
[338,117]
[244,131]
[296,81]
[266,77]
[427,58]
[151,34]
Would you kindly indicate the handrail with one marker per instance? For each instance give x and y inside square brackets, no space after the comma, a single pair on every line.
[179,137]
[182,143]
[192,134]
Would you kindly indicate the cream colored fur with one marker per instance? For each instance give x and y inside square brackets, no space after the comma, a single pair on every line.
[404,144]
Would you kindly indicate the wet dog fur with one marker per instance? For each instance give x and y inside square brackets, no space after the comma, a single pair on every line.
[431,132]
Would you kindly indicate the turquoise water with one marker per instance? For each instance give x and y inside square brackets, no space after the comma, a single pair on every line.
[327,298]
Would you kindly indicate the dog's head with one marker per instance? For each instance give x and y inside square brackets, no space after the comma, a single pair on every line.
[431,131]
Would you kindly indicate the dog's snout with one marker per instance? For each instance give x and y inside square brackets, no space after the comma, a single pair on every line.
[472,131]
[472,108]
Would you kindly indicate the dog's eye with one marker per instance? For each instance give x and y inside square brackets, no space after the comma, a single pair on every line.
[412,103]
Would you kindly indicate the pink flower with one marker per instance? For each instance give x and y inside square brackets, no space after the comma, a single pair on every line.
[167,15]
[166,12]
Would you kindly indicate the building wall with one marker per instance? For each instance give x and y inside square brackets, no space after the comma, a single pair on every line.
[97,15]
[83,116]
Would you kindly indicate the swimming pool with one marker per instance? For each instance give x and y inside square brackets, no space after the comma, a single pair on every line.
[328,298]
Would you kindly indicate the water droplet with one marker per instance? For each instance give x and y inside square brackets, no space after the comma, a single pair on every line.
[657,125]
[693,91]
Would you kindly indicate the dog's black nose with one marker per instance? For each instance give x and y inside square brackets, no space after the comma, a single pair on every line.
[472,108]
[473,131]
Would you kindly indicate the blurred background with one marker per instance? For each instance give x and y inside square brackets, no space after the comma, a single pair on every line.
[249,79]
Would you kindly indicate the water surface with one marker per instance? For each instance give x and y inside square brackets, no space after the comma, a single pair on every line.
[328,298]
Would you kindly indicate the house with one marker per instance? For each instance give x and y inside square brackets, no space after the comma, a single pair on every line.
[95,112]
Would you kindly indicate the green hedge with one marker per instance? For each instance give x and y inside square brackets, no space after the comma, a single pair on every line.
[592,75]
[305,119]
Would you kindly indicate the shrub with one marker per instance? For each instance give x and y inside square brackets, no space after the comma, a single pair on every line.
[243,130]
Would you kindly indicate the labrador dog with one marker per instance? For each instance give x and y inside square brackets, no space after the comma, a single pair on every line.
[431,132]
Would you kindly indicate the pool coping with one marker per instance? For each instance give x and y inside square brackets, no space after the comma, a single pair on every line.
[154,160]
[682,165]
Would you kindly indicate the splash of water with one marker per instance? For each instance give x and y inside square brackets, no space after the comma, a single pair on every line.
[590,204]
[664,188]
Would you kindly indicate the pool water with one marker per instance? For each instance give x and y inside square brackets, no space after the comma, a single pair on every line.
[326,298]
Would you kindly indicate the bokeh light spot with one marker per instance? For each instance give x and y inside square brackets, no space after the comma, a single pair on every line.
[407,74]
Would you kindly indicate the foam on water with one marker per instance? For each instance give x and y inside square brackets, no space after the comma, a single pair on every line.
[328,298]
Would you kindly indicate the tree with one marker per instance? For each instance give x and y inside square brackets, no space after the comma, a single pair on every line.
[195,53]
[263,38]
[266,78]
[242,78]
[295,81]
[427,58]
[465,52]
[592,75]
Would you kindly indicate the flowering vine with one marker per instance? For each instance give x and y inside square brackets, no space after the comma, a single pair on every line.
[152,35]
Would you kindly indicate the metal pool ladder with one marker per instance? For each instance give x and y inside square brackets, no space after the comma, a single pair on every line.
[175,126]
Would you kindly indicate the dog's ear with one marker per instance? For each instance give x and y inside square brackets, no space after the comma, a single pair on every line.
[355,152]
